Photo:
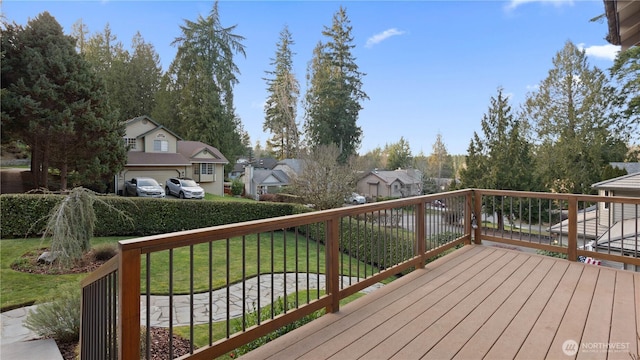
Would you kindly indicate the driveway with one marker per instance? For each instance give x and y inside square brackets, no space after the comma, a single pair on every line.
[11,180]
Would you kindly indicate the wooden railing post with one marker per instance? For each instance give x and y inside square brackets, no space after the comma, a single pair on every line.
[572,245]
[477,211]
[333,263]
[468,212]
[129,304]
[421,247]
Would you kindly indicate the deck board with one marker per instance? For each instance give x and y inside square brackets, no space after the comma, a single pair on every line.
[478,302]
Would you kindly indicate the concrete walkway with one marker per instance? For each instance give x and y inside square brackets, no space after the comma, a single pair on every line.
[16,340]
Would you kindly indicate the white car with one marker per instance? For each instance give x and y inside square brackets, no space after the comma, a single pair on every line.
[184,188]
[356,199]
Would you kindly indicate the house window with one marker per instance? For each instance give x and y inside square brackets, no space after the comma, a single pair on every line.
[206,169]
[161,145]
[130,143]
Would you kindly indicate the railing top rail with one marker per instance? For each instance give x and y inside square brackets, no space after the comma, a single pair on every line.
[108,267]
[559,196]
[160,242]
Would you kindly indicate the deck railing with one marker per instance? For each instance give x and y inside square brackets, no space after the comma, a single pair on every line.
[312,261]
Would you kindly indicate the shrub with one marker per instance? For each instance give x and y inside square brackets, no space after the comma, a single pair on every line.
[237,187]
[58,317]
[24,215]
[104,252]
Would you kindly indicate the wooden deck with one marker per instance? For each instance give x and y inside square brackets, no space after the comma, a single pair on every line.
[481,302]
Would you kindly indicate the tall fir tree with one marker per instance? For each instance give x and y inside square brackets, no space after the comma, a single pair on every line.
[282,102]
[501,158]
[626,74]
[334,90]
[203,75]
[57,106]
[575,135]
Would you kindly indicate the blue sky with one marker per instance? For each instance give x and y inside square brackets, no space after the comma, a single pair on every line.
[432,66]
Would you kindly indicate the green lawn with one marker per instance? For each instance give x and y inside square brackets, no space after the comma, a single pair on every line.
[19,289]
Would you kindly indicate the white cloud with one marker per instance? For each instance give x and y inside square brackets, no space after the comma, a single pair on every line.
[607,51]
[380,37]
[516,3]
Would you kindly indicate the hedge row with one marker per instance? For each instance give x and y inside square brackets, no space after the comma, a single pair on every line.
[25,215]
[382,247]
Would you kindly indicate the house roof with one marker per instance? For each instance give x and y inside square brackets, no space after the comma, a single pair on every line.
[159,127]
[264,163]
[622,20]
[190,149]
[260,175]
[138,158]
[297,165]
[389,177]
[626,182]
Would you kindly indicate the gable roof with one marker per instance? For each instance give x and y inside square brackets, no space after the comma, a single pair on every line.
[190,149]
[260,175]
[138,158]
[297,165]
[390,176]
[157,126]
[625,182]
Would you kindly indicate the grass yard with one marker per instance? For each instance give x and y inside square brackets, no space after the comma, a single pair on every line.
[20,289]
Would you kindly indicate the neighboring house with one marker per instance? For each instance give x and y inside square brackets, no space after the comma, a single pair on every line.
[395,183]
[622,19]
[607,225]
[157,152]
[260,180]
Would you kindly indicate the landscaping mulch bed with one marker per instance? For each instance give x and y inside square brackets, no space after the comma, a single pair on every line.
[29,263]
[159,347]
[159,336]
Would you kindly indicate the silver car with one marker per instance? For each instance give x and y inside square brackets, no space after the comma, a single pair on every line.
[143,187]
[184,188]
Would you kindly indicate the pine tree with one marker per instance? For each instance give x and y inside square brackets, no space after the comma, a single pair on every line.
[575,135]
[282,103]
[399,155]
[334,90]
[501,159]
[202,75]
[57,106]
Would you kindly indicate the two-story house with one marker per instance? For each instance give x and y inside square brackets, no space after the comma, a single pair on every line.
[157,152]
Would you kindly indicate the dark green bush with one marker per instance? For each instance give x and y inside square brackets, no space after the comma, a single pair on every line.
[376,245]
[26,215]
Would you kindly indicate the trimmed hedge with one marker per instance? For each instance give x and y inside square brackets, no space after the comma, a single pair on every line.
[24,215]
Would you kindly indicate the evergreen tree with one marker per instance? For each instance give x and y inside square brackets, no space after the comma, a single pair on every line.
[626,73]
[56,105]
[145,74]
[282,103]
[501,159]
[399,155]
[203,74]
[439,160]
[575,135]
[334,91]
[132,78]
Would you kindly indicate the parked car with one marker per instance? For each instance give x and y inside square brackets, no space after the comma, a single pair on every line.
[143,187]
[184,188]
[356,199]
